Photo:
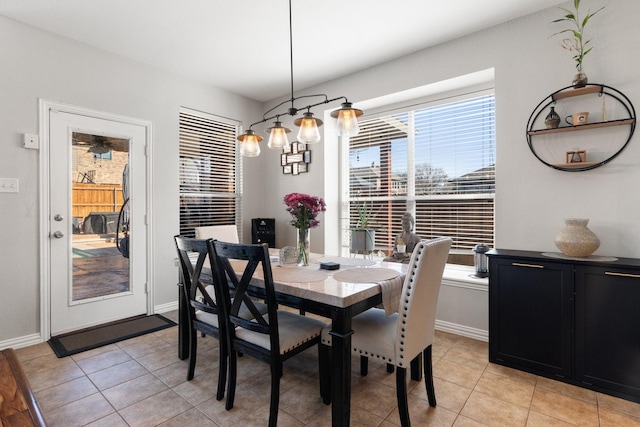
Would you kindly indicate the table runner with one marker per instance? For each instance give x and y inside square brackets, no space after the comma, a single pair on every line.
[390,282]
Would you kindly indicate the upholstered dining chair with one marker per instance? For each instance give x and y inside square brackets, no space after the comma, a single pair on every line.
[203,312]
[272,338]
[224,233]
[401,337]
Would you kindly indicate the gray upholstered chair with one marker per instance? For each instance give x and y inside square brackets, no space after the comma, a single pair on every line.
[403,336]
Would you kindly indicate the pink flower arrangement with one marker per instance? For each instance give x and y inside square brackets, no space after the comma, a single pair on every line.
[304,209]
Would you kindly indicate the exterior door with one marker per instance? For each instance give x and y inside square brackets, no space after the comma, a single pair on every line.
[95,165]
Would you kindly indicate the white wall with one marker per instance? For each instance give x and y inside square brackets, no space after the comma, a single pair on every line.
[531,199]
[36,64]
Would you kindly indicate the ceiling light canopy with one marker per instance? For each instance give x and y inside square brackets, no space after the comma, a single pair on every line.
[309,133]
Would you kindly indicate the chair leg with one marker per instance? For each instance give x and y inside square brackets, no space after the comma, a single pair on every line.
[390,367]
[193,350]
[324,365]
[428,377]
[231,387]
[416,368]
[364,365]
[401,390]
[276,372]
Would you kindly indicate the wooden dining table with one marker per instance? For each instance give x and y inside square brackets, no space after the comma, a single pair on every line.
[335,294]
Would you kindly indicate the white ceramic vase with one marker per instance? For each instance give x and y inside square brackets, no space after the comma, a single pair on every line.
[576,240]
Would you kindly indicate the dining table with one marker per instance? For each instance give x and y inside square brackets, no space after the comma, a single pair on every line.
[357,285]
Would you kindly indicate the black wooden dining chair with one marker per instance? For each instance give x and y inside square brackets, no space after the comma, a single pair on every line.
[203,312]
[272,338]
[399,338]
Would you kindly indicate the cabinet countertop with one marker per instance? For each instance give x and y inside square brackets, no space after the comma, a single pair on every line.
[538,256]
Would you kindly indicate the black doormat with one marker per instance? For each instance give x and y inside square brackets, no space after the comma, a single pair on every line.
[97,336]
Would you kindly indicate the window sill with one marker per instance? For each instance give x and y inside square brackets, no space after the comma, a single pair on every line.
[462,276]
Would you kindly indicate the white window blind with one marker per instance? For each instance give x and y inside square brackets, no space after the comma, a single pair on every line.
[435,161]
[210,185]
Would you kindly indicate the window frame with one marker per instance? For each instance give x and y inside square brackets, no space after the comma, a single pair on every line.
[348,201]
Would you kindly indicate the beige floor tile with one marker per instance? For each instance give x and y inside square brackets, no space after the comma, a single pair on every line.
[494,412]
[464,376]
[79,412]
[117,374]
[103,360]
[111,420]
[374,397]
[216,411]
[565,408]
[155,410]
[588,396]
[65,371]
[619,405]
[133,391]
[609,418]
[94,352]
[27,353]
[65,393]
[512,373]
[201,388]
[467,356]
[192,417]
[156,361]
[421,414]
[448,395]
[505,388]
[537,419]
[44,363]
[463,421]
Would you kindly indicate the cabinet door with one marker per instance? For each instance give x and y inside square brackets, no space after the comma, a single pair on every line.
[530,315]
[608,329]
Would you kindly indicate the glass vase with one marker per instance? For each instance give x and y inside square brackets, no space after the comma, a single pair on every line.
[303,246]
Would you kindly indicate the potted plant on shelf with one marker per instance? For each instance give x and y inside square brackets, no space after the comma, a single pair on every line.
[576,44]
[363,236]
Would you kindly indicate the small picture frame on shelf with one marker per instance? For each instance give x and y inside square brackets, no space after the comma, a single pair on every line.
[576,156]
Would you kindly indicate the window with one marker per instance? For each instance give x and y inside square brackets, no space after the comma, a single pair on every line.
[210,179]
[436,161]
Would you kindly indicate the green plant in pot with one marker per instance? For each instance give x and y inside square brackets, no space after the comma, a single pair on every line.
[363,235]
[577,44]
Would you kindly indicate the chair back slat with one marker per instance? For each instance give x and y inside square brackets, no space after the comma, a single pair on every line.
[195,285]
[417,311]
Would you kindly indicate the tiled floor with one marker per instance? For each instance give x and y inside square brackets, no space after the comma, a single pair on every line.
[141,382]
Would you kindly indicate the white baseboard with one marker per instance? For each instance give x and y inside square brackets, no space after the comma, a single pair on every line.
[20,342]
[166,307]
[465,331]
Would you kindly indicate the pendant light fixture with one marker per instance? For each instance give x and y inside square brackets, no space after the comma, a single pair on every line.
[309,133]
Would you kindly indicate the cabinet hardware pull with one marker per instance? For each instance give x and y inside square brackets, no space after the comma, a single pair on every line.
[519,264]
[611,273]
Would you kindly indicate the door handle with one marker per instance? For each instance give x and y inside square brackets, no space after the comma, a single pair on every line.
[58,234]
[58,217]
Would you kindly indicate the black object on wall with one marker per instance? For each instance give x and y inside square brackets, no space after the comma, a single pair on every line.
[263,230]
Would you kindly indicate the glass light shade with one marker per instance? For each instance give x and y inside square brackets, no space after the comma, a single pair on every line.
[250,144]
[278,136]
[309,132]
[347,124]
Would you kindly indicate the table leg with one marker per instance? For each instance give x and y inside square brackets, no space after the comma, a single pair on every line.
[341,367]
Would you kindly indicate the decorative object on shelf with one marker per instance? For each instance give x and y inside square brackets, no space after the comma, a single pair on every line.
[363,236]
[620,114]
[576,240]
[304,209]
[576,156]
[577,119]
[295,158]
[577,43]
[552,120]
[346,115]
[480,260]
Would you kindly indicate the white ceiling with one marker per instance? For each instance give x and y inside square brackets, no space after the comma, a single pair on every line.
[243,45]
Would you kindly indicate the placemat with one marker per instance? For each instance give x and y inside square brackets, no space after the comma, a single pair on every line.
[297,274]
[347,262]
[365,275]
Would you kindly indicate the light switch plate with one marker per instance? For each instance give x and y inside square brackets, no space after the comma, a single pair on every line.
[8,185]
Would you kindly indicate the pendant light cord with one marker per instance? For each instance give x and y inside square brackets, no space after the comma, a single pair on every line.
[291,50]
